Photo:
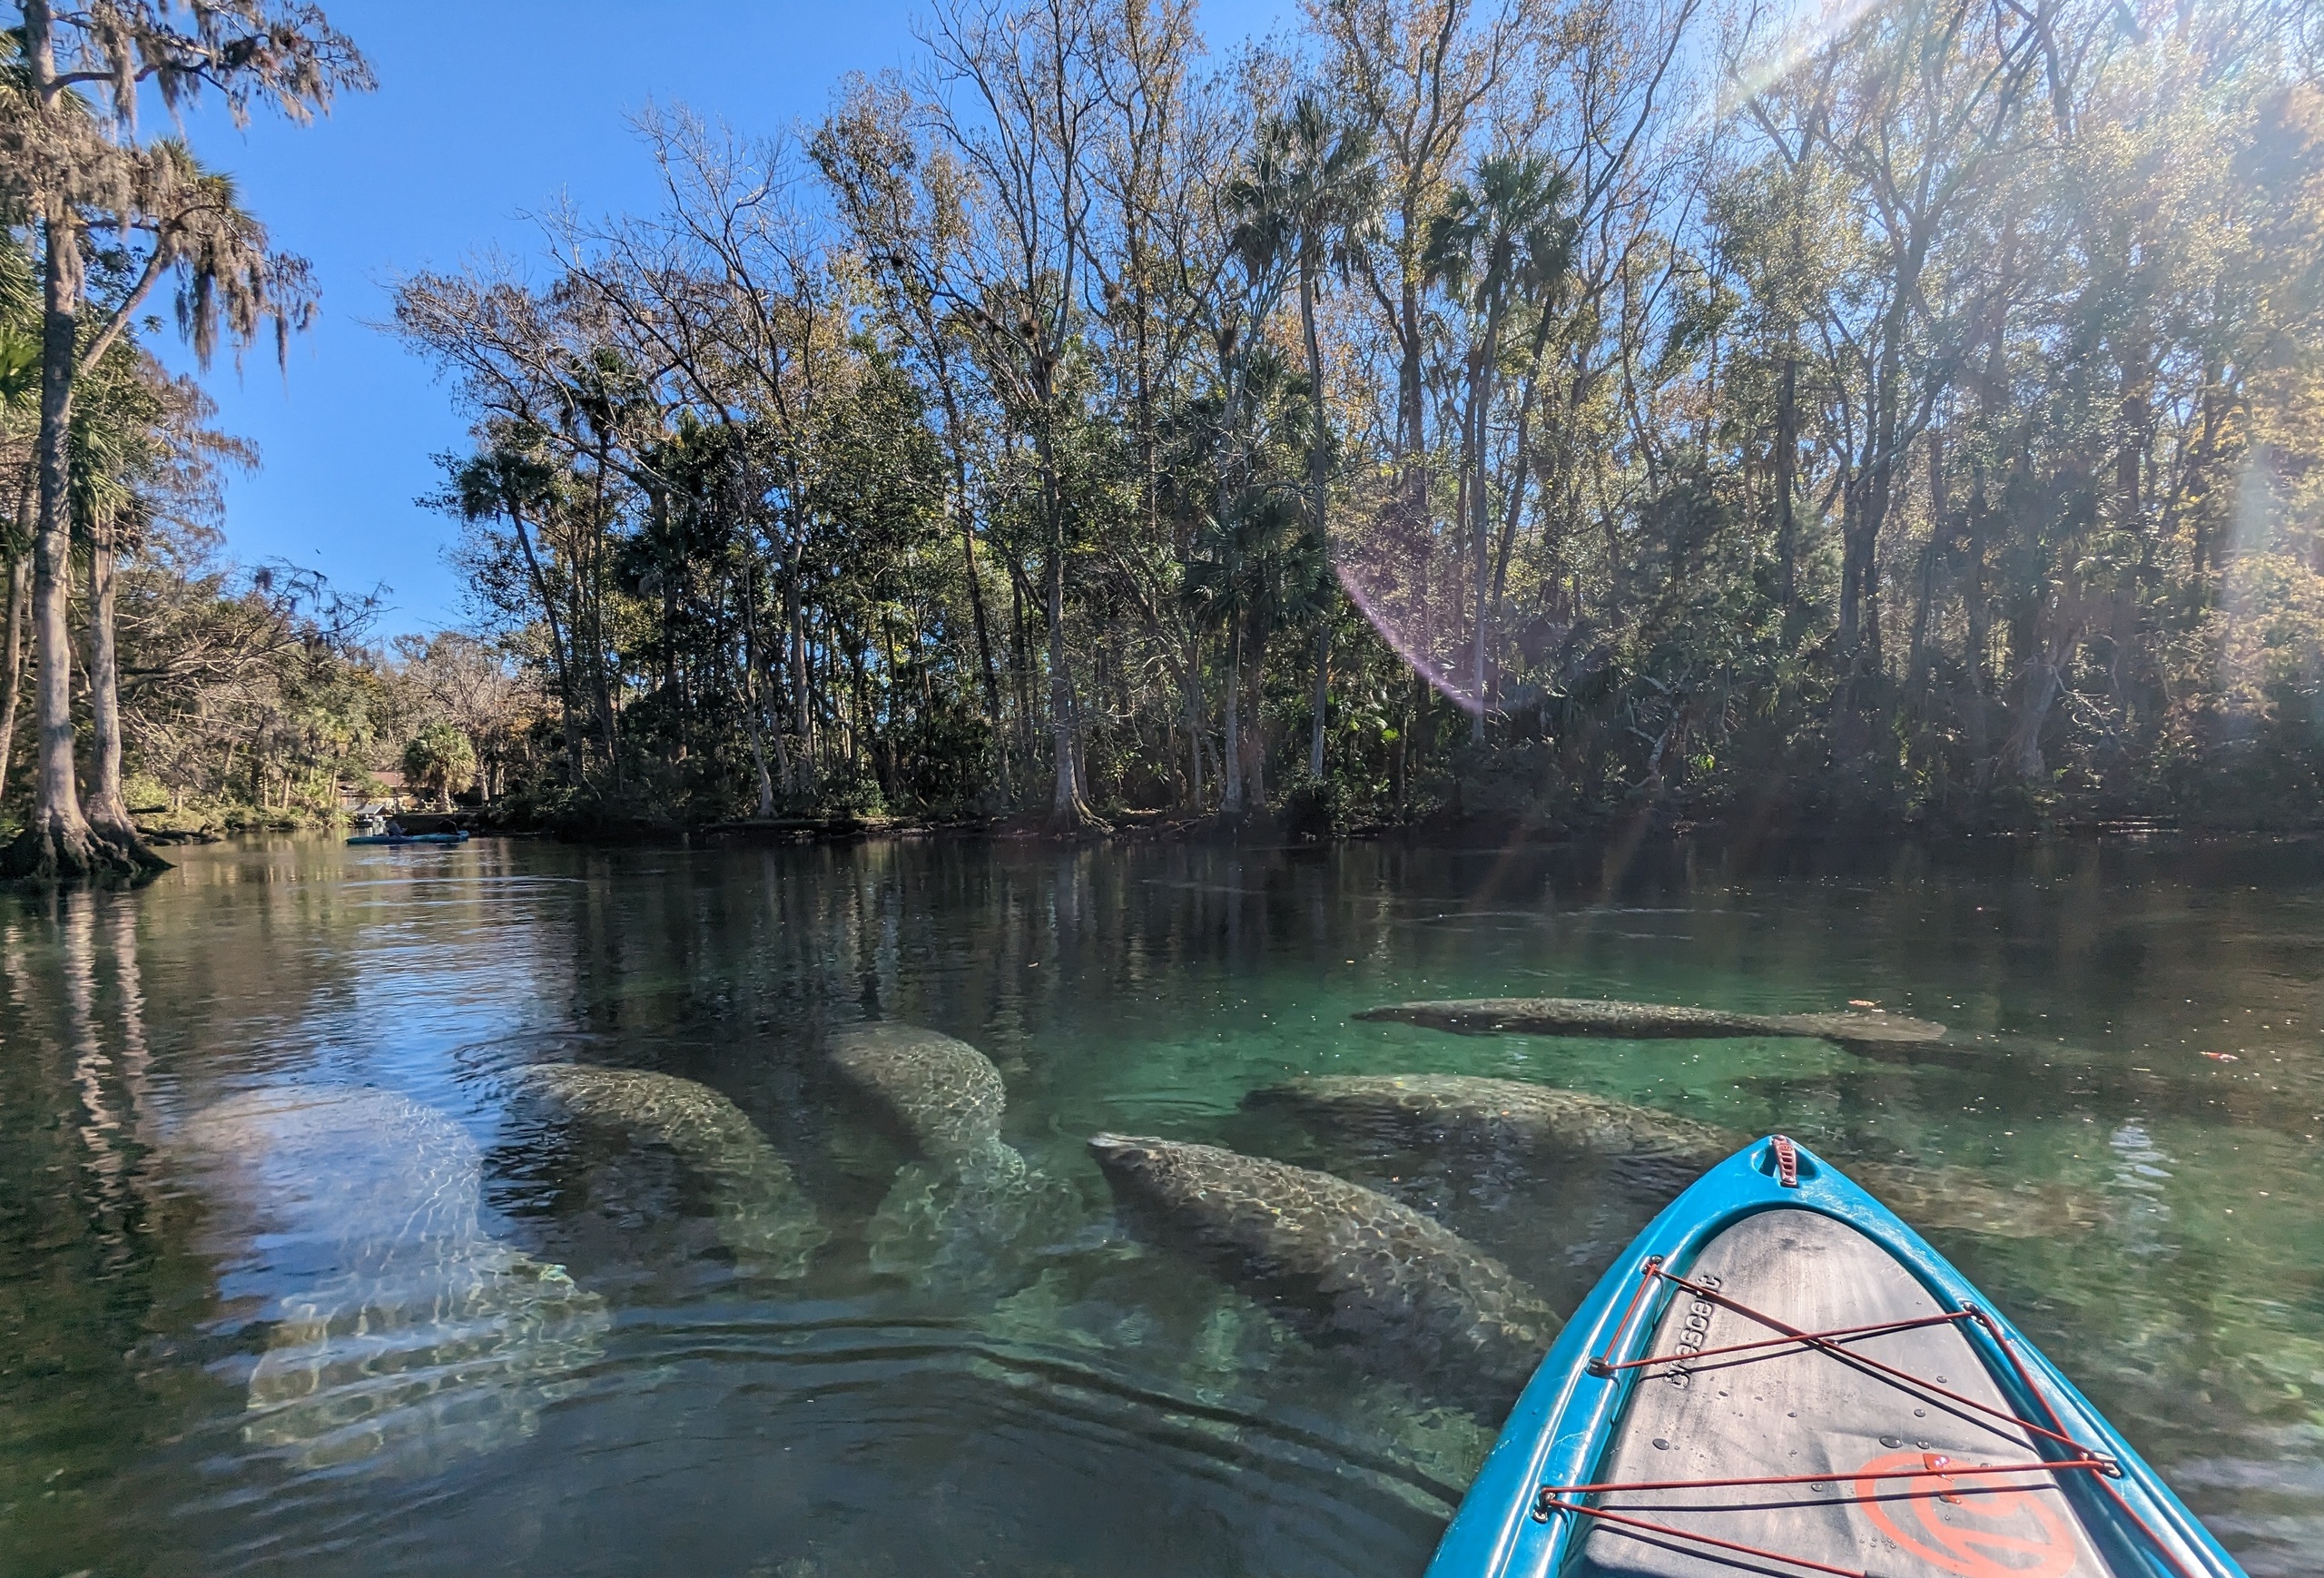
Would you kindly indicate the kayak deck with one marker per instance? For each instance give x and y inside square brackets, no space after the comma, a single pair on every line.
[1780,1378]
[1855,1442]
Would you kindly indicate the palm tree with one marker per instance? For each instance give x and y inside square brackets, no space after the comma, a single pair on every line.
[511,483]
[439,760]
[1255,568]
[1502,238]
[1312,190]
[1252,573]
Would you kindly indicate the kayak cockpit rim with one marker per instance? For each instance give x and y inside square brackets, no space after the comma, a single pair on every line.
[1566,1420]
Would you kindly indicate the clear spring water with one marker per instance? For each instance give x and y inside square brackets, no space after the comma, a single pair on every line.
[923,1401]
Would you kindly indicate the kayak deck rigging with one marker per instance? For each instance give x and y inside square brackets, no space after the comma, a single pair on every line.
[1938,1477]
[1780,1378]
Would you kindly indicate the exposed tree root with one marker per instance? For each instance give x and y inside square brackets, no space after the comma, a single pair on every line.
[54,852]
[1074,819]
[117,838]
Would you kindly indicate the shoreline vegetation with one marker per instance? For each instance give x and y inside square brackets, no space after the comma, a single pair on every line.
[1510,416]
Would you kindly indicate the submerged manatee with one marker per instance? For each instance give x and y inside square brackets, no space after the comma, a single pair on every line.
[1343,1260]
[941,1094]
[1657,1154]
[978,1196]
[1579,1016]
[408,1333]
[759,1211]
[1653,1153]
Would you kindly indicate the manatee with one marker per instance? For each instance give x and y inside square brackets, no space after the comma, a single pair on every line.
[977,1195]
[940,1094]
[760,1212]
[1577,1016]
[1657,1154]
[1653,1153]
[403,1332]
[1342,1261]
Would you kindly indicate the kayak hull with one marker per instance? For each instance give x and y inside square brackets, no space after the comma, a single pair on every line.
[392,838]
[1571,1426]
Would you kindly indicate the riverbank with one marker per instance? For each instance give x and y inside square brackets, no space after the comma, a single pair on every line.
[1302,820]
[1441,826]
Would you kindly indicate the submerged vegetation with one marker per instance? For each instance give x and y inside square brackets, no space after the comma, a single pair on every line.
[1521,410]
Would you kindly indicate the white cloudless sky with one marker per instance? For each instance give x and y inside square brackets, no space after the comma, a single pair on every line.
[484,113]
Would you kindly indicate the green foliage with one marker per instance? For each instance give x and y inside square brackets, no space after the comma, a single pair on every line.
[440,761]
[1787,499]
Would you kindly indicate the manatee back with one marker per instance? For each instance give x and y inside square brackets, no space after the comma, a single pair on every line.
[346,1176]
[410,1370]
[762,1215]
[944,1094]
[1650,1152]
[1353,1263]
[401,1333]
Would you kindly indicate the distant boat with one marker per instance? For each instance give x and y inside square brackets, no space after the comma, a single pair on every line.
[416,829]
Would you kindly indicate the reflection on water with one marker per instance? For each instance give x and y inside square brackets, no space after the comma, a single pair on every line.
[744,1314]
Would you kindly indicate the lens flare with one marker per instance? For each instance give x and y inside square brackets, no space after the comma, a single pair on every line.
[1419,594]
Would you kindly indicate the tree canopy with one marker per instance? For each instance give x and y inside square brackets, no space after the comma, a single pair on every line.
[1493,408]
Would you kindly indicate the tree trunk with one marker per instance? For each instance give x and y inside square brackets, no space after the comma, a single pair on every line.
[12,665]
[56,845]
[557,645]
[1069,811]
[1980,629]
[1021,662]
[2040,692]
[108,813]
[1255,740]
[757,727]
[593,586]
[1479,518]
[1859,644]
[1230,802]
[1319,492]
[1195,795]
[802,716]
[1520,473]
[1323,697]
[1788,481]
[985,669]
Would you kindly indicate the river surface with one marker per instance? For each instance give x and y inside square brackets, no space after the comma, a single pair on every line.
[607,1384]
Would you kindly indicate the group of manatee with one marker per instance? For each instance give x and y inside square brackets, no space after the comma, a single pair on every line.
[412,1325]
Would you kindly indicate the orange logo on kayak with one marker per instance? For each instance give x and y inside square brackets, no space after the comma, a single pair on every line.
[1960,1528]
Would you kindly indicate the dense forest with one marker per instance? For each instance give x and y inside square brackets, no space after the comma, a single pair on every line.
[1532,411]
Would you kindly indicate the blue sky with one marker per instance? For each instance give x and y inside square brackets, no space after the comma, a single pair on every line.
[484,113]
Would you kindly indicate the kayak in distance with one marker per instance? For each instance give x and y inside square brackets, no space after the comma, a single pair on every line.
[416,829]
[1779,1377]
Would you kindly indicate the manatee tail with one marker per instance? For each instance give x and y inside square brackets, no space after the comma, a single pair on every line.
[761,1216]
[973,1222]
[439,1361]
